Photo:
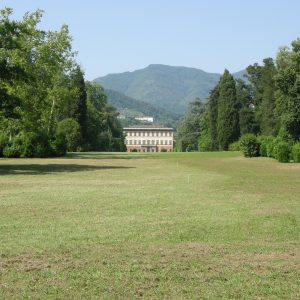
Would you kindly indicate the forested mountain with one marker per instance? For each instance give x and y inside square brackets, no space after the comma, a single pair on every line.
[167,87]
[122,102]
[130,108]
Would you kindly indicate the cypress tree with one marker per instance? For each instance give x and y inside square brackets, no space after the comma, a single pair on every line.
[266,111]
[228,112]
[81,100]
[213,116]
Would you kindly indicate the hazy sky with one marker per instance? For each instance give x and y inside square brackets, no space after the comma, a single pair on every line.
[123,35]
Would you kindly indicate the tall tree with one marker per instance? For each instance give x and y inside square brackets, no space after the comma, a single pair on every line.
[287,82]
[228,112]
[213,117]
[189,128]
[77,80]
[104,132]
[262,84]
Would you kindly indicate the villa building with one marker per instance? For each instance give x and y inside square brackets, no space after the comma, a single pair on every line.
[148,138]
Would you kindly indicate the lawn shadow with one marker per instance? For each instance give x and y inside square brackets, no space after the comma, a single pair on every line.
[108,155]
[41,169]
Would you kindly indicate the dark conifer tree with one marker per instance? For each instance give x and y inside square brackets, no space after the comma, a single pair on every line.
[263,91]
[213,117]
[228,112]
[81,100]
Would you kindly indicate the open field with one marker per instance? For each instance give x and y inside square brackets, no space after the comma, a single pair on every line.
[172,226]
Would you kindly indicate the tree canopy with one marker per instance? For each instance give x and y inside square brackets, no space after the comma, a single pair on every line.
[43,92]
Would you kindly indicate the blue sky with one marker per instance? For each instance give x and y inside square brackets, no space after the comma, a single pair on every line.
[123,35]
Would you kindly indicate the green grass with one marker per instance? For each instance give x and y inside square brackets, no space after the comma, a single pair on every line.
[171,226]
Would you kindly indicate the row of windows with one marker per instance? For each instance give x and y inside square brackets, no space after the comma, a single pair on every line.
[150,133]
[149,142]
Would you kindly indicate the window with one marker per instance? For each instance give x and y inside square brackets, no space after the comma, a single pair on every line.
[170,142]
[144,142]
[157,142]
[148,142]
[153,142]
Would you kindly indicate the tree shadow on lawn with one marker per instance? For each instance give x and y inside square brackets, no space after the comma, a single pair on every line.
[107,155]
[41,169]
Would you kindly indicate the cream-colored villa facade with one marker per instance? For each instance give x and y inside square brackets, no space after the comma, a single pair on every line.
[149,138]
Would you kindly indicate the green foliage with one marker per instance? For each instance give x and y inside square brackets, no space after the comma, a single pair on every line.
[205,142]
[228,109]
[249,145]
[3,143]
[296,152]
[213,121]
[77,80]
[283,152]
[13,149]
[117,144]
[247,120]
[59,145]
[43,93]
[163,150]
[271,147]
[104,131]
[28,144]
[235,146]
[262,86]
[70,129]
[288,87]
[264,141]
[189,129]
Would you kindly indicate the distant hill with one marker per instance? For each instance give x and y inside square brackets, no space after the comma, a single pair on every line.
[166,87]
[130,108]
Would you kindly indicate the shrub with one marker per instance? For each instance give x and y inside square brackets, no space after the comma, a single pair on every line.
[204,143]
[59,145]
[3,143]
[14,147]
[28,144]
[264,141]
[296,152]
[271,148]
[283,151]
[249,145]
[71,130]
[234,146]
[134,150]
[163,150]
[117,144]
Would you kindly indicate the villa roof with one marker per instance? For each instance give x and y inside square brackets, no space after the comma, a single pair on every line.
[148,127]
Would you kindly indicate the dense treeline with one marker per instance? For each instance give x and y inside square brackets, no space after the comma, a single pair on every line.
[46,107]
[267,105]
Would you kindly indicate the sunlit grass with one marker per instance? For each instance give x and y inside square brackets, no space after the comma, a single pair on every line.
[170,225]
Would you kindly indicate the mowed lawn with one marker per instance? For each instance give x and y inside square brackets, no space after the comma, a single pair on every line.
[171,226]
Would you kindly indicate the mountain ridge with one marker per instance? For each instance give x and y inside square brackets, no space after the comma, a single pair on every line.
[168,87]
